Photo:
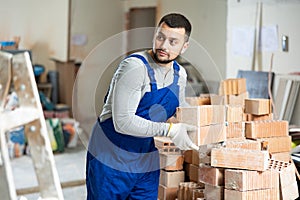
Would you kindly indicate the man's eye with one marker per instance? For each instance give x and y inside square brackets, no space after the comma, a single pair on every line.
[160,38]
[173,42]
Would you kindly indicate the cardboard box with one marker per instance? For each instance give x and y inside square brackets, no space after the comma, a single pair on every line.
[258,106]
[240,159]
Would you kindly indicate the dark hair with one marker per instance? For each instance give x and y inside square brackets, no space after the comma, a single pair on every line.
[175,20]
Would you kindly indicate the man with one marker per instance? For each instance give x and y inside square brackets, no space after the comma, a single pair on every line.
[122,162]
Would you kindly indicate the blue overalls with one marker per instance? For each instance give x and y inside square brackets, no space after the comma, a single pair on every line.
[121,166]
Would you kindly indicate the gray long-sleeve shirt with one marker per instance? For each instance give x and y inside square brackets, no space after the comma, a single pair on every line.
[129,84]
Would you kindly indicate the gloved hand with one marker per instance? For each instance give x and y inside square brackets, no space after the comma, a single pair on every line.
[179,135]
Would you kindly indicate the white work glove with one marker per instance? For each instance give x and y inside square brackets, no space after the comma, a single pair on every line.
[179,135]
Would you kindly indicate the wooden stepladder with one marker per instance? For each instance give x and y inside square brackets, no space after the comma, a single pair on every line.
[16,70]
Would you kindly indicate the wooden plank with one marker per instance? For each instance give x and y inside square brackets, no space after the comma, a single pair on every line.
[18,117]
[264,194]
[245,180]
[211,175]
[36,131]
[67,184]
[240,159]
[5,77]
[263,129]
[7,185]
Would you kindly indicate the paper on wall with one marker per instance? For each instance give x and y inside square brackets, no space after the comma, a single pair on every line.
[242,41]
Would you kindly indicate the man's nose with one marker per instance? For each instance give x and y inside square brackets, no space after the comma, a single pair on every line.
[164,45]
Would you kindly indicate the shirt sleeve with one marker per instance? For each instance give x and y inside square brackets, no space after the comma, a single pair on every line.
[129,80]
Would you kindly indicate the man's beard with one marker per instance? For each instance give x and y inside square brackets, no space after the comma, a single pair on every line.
[162,61]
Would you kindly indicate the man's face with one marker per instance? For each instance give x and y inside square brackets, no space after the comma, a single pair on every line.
[168,43]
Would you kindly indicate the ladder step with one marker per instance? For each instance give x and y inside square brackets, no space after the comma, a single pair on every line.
[36,189]
[18,117]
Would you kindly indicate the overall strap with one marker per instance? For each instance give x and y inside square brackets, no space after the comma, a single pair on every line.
[176,72]
[149,69]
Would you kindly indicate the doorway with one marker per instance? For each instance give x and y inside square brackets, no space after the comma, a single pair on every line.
[141,23]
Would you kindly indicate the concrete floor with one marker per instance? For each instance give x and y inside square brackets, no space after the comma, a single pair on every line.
[70,166]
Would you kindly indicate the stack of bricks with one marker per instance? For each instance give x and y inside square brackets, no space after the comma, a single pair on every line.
[171,173]
[209,120]
[252,162]
[261,126]
[231,92]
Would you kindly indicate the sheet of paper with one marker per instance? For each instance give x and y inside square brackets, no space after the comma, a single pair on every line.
[269,38]
[242,41]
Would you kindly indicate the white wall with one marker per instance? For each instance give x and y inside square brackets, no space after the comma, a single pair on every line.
[42,26]
[208,18]
[97,20]
[285,15]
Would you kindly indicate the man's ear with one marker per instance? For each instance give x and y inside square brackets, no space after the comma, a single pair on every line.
[184,48]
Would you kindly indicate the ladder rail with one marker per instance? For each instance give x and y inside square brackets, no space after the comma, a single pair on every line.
[31,115]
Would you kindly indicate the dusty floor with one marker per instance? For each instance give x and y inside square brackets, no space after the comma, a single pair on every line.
[70,166]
